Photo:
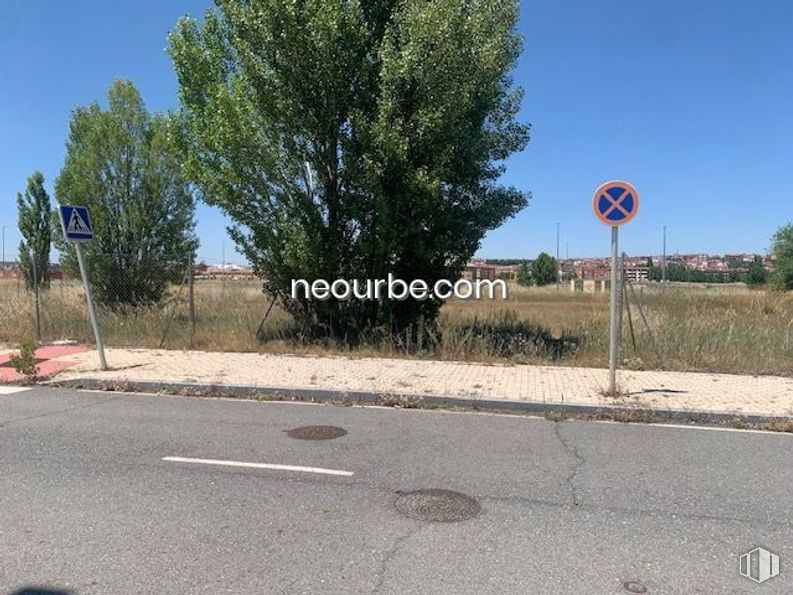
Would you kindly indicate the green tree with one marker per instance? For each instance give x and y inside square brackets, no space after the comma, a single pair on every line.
[121,163]
[352,140]
[523,277]
[782,249]
[544,269]
[33,209]
[756,274]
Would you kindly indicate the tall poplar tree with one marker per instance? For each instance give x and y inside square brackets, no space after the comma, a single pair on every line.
[121,163]
[33,208]
[352,139]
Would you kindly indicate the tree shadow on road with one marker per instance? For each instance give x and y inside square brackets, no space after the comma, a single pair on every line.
[40,591]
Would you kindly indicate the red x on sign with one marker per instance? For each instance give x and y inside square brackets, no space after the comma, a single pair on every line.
[615,203]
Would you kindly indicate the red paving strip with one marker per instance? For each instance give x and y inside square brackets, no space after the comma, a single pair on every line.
[53,351]
[48,366]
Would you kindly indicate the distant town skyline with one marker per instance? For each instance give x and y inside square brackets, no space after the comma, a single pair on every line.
[691,106]
[698,260]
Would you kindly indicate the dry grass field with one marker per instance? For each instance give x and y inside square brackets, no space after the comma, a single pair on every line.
[718,328]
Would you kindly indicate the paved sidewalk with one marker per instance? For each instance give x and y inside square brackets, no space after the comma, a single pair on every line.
[765,395]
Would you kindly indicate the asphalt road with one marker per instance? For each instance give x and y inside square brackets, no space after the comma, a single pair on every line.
[88,505]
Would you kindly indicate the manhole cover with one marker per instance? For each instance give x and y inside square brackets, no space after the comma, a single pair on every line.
[440,506]
[633,587]
[316,432]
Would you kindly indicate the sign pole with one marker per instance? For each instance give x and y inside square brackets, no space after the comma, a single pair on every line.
[100,347]
[77,228]
[614,204]
[613,331]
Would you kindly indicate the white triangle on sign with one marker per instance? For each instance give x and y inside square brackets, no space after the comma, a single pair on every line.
[77,224]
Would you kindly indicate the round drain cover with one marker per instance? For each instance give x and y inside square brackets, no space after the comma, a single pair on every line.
[316,432]
[440,506]
[633,587]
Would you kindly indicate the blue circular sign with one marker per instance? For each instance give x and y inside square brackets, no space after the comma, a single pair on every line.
[615,203]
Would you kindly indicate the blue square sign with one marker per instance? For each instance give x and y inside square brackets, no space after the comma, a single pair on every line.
[76,222]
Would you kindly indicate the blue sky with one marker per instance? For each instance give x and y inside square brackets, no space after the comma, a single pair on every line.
[691,101]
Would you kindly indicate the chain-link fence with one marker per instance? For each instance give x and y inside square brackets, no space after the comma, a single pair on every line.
[728,328]
[217,308]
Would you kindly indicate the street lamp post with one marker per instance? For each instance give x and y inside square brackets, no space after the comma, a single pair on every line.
[663,260]
[4,251]
[558,271]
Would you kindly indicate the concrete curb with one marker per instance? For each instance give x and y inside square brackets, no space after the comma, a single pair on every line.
[413,401]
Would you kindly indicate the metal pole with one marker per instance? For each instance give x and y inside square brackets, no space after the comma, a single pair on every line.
[100,347]
[663,260]
[613,314]
[223,267]
[36,294]
[191,298]
[620,303]
[558,273]
[4,251]
[639,302]
[627,303]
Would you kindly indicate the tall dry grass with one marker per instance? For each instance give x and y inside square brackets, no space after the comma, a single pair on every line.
[725,329]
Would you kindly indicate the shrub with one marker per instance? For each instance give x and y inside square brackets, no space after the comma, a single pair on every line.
[25,362]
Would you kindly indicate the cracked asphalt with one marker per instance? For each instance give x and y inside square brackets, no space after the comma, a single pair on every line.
[87,505]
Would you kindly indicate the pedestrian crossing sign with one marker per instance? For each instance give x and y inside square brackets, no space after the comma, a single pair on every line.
[76,222]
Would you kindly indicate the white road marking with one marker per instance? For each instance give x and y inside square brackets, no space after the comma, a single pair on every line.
[10,390]
[272,466]
[720,429]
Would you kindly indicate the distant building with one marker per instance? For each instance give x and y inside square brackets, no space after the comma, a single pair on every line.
[636,274]
[637,268]
[590,285]
[591,270]
[476,270]
[738,261]
[9,271]
[229,272]
[508,272]
[12,271]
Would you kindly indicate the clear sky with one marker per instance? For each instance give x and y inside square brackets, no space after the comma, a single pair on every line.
[690,100]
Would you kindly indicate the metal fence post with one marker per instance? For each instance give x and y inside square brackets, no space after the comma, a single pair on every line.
[191,298]
[36,295]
